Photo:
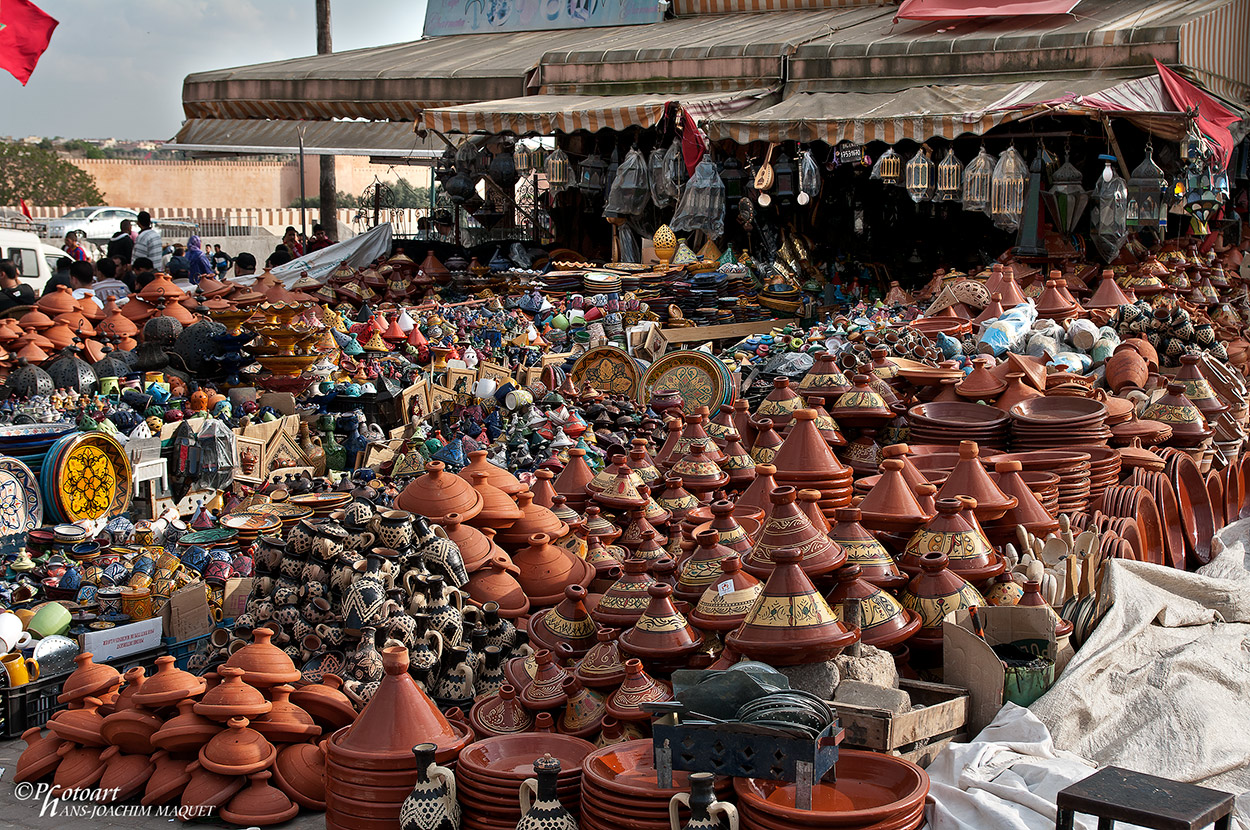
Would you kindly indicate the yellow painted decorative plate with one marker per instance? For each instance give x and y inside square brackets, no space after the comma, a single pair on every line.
[694,374]
[609,369]
[92,477]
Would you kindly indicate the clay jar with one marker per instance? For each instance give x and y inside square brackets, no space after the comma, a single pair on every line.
[790,623]
[1126,369]
[546,567]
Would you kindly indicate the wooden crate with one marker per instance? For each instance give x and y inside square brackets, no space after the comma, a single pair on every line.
[916,735]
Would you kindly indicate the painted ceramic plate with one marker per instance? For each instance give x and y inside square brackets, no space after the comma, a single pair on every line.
[283,510]
[89,474]
[251,521]
[694,374]
[216,536]
[609,369]
[321,500]
[30,486]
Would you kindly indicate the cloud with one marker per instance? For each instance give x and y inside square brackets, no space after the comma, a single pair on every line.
[116,69]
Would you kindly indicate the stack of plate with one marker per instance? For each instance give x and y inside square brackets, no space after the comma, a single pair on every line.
[250,524]
[1045,486]
[321,504]
[1104,469]
[619,789]
[1055,422]
[1071,467]
[287,513]
[870,790]
[949,422]
[602,282]
[489,775]
[29,443]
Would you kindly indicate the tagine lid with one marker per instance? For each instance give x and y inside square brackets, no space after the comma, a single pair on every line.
[263,663]
[969,478]
[791,622]
[884,622]
[496,476]
[167,686]
[437,492]
[727,601]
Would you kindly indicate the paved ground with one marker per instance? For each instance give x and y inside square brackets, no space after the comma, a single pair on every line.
[24,813]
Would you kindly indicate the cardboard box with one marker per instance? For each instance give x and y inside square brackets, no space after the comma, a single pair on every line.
[235,597]
[970,662]
[188,614]
[123,640]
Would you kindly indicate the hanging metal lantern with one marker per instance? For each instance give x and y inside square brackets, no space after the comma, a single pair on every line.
[889,168]
[557,170]
[1109,221]
[460,187]
[1029,242]
[1146,188]
[950,178]
[524,158]
[733,177]
[445,166]
[920,176]
[786,179]
[592,174]
[977,177]
[502,170]
[1067,198]
[1007,190]
[809,178]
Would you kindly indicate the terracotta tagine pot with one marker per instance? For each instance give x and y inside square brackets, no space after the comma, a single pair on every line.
[397,717]
[535,519]
[980,383]
[767,442]
[702,568]
[726,602]
[969,478]
[787,527]
[325,702]
[546,567]
[209,789]
[603,666]
[186,732]
[88,679]
[496,582]
[124,774]
[40,758]
[662,638]
[933,593]
[131,730]
[884,623]
[863,550]
[82,726]
[756,495]
[861,407]
[891,505]
[733,533]
[80,766]
[237,750]
[572,481]
[498,509]
[954,532]
[285,722]
[437,493]
[567,629]
[824,379]
[168,779]
[475,548]
[496,476]
[546,689]
[804,455]
[299,771]
[1028,512]
[500,714]
[638,688]
[232,698]
[263,663]
[260,804]
[780,404]
[791,623]
[1189,427]
[700,474]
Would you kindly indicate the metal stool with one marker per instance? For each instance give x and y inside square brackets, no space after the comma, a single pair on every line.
[1115,794]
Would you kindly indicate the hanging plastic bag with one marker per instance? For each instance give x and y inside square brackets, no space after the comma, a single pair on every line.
[809,179]
[663,193]
[630,189]
[675,166]
[702,203]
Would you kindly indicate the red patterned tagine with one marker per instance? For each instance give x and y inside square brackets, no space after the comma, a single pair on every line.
[954,532]
[662,638]
[791,623]
[934,593]
[884,623]
[727,601]
[625,703]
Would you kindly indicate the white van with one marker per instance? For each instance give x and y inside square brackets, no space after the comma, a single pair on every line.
[35,261]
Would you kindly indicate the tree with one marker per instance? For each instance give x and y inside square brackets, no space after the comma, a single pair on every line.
[41,177]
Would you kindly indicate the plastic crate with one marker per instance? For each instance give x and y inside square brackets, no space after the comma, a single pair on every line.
[31,705]
[182,651]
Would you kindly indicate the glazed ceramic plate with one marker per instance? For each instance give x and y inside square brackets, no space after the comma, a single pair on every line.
[697,376]
[514,755]
[87,476]
[251,522]
[213,537]
[284,511]
[629,769]
[320,500]
[609,369]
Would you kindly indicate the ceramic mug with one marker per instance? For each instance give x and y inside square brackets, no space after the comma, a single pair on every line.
[393,529]
[21,670]
[518,399]
[10,630]
[52,618]
[137,603]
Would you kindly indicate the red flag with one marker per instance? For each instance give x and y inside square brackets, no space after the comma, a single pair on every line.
[25,210]
[25,30]
[692,144]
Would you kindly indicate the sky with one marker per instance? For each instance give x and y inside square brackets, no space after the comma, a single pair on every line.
[115,69]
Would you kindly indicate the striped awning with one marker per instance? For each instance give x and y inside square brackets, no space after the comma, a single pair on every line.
[242,136]
[550,114]
[917,114]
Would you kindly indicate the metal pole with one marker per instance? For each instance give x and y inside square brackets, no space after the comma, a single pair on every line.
[303,210]
[327,184]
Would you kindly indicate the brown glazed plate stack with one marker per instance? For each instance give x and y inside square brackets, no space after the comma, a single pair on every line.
[1056,422]
[1104,469]
[1072,467]
[949,422]
[490,772]
[870,791]
[620,791]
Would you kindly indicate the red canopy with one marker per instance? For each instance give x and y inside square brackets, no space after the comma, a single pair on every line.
[1213,118]
[956,9]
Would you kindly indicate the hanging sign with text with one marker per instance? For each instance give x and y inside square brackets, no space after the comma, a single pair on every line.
[469,17]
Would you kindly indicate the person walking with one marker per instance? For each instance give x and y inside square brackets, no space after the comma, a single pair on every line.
[73,248]
[198,263]
[121,246]
[149,243]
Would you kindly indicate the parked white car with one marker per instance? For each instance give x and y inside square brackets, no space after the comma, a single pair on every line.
[35,261]
[94,223]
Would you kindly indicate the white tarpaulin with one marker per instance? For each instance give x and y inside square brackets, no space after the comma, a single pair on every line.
[1160,687]
[357,252]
